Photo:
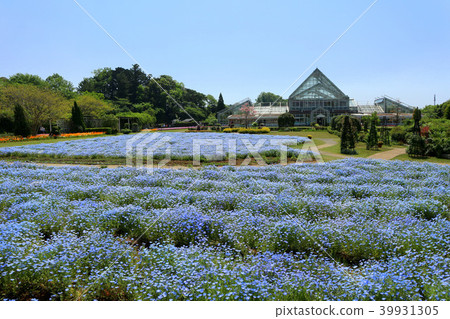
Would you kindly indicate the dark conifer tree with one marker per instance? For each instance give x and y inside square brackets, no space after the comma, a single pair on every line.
[21,124]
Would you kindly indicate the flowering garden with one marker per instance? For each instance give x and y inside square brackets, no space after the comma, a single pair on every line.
[181,145]
[47,136]
[353,229]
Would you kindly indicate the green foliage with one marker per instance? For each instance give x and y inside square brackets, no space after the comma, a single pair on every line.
[447,111]
[110,121]
[385,136]
[435,111]
[372,139]
[126,131]
[416,146]
[28,79]
[366,122]
[398,134]
[269,97]
[220,104]
[286,120]
[417,116]
[135,127]
[58,84]
[347,136]
[211,120]
[143,119]
[77,121]
[6,123]
[21,124]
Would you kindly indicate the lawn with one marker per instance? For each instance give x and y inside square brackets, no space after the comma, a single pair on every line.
[436,160]
[360,148]
[354,229]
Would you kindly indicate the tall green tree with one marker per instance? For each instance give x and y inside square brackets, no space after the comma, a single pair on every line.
[58,84]
[77,119]
[417,116]
[347,136]
[417,145]
[220,104]
[21,124]
[372,139]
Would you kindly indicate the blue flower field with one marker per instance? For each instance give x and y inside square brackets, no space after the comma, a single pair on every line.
[181,145]
[352,229]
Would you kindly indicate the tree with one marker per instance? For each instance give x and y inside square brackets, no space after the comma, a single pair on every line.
[58,84]
[20,78]
[21,125]
[417,145]
[286,120]
[365,120]
[417,116]
[347,137]
[77,120]
[211,103]
[447,112]
[93,104]
[211,120]
[268,97]
[220,104]
[372,139]
[248,112]
[41,105]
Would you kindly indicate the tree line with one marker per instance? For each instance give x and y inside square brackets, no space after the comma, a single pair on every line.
[107,95]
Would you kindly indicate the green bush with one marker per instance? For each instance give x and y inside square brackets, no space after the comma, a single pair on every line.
[126,131]
[286,120]
[416,146]
[135,127]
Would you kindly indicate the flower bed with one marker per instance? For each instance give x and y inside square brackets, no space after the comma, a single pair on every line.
[47,136]
[354,229]
[181,144]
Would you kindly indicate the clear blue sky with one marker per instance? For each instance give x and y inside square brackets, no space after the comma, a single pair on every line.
[400,48]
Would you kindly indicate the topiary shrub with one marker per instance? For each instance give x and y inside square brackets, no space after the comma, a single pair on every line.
[135,127]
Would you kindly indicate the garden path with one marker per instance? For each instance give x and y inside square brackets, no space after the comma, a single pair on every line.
[388,155]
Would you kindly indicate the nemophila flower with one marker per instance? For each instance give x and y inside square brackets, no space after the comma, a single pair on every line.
[355,229]
[182,145]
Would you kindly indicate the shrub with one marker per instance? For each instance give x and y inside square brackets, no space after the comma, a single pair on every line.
[416,146]
[135,127]
[126,131]
[286,120]
[263,130]
[231,130]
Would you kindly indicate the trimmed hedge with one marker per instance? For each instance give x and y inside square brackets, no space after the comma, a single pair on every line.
[242,130]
